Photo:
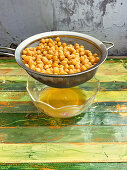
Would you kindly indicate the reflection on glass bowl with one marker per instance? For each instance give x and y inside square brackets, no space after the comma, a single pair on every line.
[62,102]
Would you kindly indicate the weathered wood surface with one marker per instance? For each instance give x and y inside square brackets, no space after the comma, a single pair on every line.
[98,135]
[65,166]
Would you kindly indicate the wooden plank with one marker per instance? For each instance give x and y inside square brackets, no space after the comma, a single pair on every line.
[111,96]
[17,107]
[14,96]
[63,152]
[26,114]
[64,166]
[63,134]
[19,85]
[21,77]
[12,72]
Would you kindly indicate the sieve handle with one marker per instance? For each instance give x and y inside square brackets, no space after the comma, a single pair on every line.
[108,43]
[7,54]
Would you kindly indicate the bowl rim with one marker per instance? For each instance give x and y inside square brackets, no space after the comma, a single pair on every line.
[37,37]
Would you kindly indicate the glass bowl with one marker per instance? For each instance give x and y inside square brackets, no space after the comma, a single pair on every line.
[62,102]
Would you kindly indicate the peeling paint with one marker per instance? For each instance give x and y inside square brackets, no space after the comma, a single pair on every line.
[103,4]
[96,18]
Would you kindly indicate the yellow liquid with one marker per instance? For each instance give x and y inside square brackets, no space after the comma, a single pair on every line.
[57,97]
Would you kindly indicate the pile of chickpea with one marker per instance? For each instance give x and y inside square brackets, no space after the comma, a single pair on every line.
[54,57]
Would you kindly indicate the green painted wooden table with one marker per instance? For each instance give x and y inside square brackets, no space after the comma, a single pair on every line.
[29,140]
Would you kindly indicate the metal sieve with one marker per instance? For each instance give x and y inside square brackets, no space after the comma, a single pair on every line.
[67,80]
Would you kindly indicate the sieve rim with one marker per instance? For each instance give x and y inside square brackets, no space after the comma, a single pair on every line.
[97,43]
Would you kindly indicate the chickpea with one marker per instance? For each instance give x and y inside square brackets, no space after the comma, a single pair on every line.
[38,48]
[56,53]
[55,42]
[50,44]
[78,70]
[93,60]
[67,54]
[71,71]
[56,70]
[40,44]
[29,53]
[45,60]
[30,62]
[23,56]
[27,65]
[57,61]
[83,68]
[69,57]
[58,39]
[24,52]
[66,66]
[64,62]
[40,66]
[59,44]
[62,57]
[73,56]
[81,50]
[55,58]
[45,44]
[87,66]
[66,70]
[62,72]
[71,49]
[50,61]
[71,66]
[97,59]
[38,69]
[42,41]
[82,53]
[55,64]
[46,66]
[60,52]
[47,40]
[48,71]
[64,44]
[32,67]
[73,62]
[77,66]
[27,58]
[43,70]
[50,40]
[45,52]
[49,57]
[84,61]
[38,51]
[38,56]
[81,58]
[51,52]
[75,70]
[47,48]
[77,50]
[85,57]
[69,62]
[76,46]
[38,59]
[53,49]
[35,63]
